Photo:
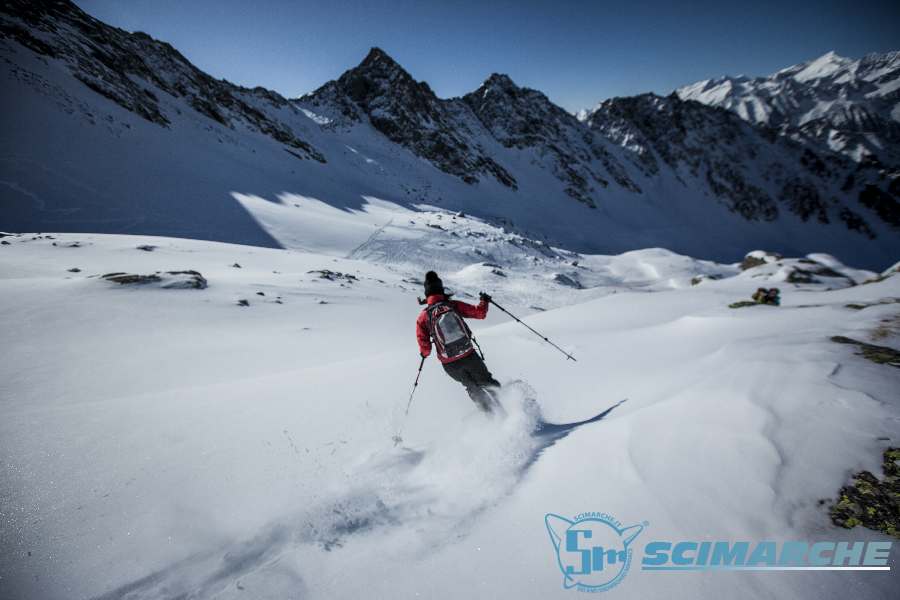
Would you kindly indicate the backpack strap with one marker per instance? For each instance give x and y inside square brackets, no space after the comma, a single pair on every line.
[429,313]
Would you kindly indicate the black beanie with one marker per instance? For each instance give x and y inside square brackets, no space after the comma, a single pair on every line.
[433,284]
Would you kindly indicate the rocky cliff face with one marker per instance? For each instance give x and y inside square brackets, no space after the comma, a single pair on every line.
[408,113]
[755,171]
[136,71]
[523,118]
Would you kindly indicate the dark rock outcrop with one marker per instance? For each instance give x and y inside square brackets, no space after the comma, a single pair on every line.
[168,279]
[408,113]
[134,70]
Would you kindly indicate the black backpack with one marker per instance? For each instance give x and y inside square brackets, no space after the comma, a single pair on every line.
[451,336]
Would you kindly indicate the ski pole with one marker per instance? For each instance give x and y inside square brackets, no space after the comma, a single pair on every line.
[397,438]
[480,351]
[540,335]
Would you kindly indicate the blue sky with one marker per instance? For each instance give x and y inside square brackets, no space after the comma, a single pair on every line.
[577,52]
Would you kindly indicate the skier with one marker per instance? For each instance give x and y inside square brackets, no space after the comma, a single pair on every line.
[441,321]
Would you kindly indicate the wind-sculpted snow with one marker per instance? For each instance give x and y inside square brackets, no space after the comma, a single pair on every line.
[439,491]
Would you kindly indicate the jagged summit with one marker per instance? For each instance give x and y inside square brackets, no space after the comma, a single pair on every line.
[378,75]
[379,61]
[499,80]
[827,64]
[409,113]
[526,119]
[376,54]
[842,104]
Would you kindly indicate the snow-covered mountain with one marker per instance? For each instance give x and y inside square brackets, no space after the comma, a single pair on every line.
[757,174]
[111,131]
[408,113]
[850,106]
[131,69]
[524,119]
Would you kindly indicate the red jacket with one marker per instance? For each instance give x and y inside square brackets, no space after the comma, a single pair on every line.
[466,310]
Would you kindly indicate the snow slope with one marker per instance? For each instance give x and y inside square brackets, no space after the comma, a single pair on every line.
[163,443]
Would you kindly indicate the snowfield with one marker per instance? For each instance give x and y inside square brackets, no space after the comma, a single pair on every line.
[163,443]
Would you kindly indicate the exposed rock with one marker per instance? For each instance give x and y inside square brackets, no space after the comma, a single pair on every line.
[877,354]
[523,118]
[759,257]
[124,66]
[742,304]
[871,502]
[243,302]
[409,113]
[801,276]
[168,279]
[563,279]
[130,278]
[812,272]
[740,163]
[884,205]
[887,328]
[334,275]
[147,248]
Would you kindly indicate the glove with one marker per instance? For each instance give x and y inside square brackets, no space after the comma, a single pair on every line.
[484,297]
[423,355]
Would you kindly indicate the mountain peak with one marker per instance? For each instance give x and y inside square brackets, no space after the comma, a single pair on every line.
[379,65]
[824,66]
[375,56]
[832,58]
[500,80]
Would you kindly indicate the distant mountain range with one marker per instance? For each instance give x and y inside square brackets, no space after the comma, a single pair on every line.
[850,106]
[115,131]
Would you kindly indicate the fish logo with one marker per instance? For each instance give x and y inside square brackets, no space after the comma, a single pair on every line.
[593,550]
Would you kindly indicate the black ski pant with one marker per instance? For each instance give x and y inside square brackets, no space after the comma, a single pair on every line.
[473,373]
